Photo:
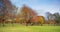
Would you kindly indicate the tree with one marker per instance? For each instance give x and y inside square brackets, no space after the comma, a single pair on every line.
[5,6]
[27,14]
[41,20]
[48,14]
[38,20]
[57,17]
[50,18]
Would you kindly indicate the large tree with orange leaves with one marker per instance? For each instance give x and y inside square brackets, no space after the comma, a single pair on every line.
[27,13]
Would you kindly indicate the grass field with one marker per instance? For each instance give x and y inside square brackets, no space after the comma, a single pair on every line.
[22,28]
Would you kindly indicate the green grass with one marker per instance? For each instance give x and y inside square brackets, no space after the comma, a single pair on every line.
[22,28]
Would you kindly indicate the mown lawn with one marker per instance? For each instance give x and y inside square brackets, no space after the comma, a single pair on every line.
[22,28]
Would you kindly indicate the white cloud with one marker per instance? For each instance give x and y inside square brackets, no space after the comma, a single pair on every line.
[41,10]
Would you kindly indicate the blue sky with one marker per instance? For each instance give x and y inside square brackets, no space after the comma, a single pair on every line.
[40,6]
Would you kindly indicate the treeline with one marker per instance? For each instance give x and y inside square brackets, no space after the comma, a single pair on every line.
[55,18]
[27,16]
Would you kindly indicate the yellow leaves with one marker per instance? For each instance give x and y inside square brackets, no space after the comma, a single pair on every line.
[41,19]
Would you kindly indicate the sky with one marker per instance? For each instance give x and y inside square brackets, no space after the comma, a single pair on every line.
[40,6]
